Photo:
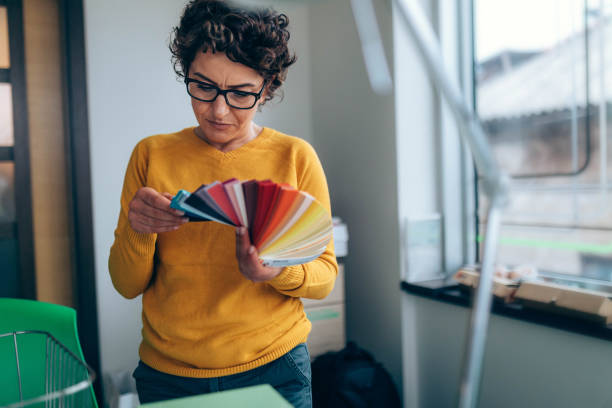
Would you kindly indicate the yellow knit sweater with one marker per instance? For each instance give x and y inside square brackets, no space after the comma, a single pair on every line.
[201,317]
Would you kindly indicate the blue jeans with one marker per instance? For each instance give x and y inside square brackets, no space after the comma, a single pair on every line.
[289,375]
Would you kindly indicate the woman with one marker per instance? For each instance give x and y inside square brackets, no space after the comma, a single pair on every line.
[214,317]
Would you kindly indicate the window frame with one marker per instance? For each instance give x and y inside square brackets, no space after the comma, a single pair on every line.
[455,24]
[450,169]
[76,128]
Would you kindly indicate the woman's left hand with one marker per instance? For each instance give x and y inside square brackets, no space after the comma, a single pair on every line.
[248,260]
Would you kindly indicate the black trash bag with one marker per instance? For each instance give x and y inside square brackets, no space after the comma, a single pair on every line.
[351,378]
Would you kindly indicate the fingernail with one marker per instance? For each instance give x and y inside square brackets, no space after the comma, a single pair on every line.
[251,249]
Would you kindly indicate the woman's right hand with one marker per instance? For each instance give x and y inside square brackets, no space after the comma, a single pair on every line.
[150,212]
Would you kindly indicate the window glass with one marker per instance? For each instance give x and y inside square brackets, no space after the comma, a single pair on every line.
[7,192]
[8,262]
[6,115]
[4,42]
[543,89]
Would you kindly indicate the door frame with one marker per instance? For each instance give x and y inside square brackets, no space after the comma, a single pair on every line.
[76,127]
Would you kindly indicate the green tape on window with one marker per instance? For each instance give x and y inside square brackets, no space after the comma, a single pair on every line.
[600,249]
[325,314]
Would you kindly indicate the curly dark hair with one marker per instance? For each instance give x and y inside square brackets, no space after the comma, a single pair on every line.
[256,38]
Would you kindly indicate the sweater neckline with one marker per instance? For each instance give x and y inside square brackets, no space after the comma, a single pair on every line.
[210,149]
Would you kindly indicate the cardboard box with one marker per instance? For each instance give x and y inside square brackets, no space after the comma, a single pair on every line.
[336,296]
[588,304]
[328,329]
[502,288]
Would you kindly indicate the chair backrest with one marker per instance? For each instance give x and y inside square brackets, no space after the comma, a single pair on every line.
[24,315]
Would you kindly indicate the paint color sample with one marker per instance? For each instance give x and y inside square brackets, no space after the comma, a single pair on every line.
[287,226]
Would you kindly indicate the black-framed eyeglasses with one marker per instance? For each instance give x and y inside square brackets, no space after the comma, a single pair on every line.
[207,92]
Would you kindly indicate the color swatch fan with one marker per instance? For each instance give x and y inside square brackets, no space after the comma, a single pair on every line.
[287,226]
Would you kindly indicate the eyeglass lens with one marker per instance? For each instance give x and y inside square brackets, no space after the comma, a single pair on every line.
[206,93]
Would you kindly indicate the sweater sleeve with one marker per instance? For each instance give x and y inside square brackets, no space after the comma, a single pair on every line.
[131,258]
[314,279]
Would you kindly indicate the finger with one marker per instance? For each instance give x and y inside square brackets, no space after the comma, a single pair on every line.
[242,241]
[171,197]
[256,264]
[158,201]
[143,207]
[174,216]
[250,257]
[144,219]
[265,273]
[258,272]
[151,198]
[253,255]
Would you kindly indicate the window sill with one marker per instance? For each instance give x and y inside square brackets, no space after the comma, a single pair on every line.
[450,292]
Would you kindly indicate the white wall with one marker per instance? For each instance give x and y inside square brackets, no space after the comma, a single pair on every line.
[133,93]
[292,113]
[354,134]
[526,364]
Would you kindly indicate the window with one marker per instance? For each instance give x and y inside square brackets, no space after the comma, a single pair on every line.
[16,241]
[543,91]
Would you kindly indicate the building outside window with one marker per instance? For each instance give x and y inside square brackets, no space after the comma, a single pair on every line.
[543,90]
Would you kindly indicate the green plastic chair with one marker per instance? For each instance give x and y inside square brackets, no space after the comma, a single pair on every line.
[18,315]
